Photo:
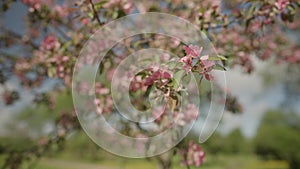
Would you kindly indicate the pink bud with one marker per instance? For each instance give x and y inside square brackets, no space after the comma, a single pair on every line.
[166,75]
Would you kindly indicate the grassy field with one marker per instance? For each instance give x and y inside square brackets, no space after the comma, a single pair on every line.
[212,162]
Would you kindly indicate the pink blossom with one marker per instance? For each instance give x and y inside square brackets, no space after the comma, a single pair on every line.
[205,57]
[193,50]
[156,75]
[149,81]
[110,74]
[99,108]
[206,63]
[282,4]
[187,67]
[99,89]
[128,7]
[195,155]
[34,4]
[85,21]
[167,75]
[179,119]
[216,3]
[50,42]
[61,11]
[164,76]
[108,104]
[136,84]
[186,59]
[191,113]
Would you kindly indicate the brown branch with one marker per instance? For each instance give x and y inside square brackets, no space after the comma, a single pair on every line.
[10,34]
[95,12]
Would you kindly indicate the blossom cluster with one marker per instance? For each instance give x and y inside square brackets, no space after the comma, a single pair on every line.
[103,104]
[126,5]
[194,155]
[183,118]
[193,61]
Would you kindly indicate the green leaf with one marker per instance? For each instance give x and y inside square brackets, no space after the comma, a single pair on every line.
[219,67]
[177,78]
[90,14]
[51,71]
[217,57]
[172,104]
[251,10]
[186,79]
[172,64]
[100,4]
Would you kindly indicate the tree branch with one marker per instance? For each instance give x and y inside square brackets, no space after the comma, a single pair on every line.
[95,12]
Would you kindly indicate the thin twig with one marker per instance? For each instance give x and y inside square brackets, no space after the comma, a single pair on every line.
[95,12]
[19,37]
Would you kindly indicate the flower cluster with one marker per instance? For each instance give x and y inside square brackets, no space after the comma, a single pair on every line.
[61,11]
[126,5]
[61,69]
[103,104]
[152,75]
[50,42]
[157,75]
[193,61]
[34,4]
[282,4]
[9,97]
[183,118]
[194,155]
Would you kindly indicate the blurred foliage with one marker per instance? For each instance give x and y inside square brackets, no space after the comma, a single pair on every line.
[36,119]
[233,143]
[278,137]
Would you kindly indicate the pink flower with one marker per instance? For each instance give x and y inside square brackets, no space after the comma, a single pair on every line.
[193,50]
[281,4]
[34,4]
[195,155]
[149,81]
[187,67]
[135,85]
[179,119]
[167,75]
[187,60]
[61,11]
[128,7]
[206,63]
[191,113]
[99,108]
[205,57]
[163,76]
[209,77]
[85,21]
[99,89]
[50,43]
[156,75]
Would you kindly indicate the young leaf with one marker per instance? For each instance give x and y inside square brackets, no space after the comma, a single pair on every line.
[217,57]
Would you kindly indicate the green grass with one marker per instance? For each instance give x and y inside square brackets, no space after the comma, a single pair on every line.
[212,162]
[113,162]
